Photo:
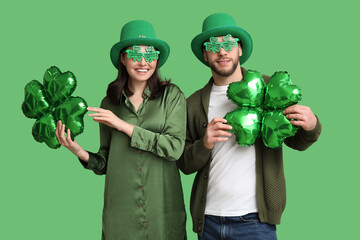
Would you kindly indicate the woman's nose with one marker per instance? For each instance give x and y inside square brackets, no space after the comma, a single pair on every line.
[142,61]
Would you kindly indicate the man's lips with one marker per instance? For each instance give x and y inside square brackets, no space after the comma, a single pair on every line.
[223,61]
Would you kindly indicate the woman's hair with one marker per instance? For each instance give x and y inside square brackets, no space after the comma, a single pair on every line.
[115,88]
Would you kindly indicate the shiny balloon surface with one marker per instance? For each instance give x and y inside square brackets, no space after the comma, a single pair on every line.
[246,123]
[260,107]
[52,101]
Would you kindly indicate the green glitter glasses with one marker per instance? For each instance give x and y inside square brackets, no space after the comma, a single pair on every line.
[227,45]
[149,55]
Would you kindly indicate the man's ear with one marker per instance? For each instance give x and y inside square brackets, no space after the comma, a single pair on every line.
[205,57]
[240,51]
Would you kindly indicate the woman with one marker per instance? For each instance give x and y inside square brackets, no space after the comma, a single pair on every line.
[142,133]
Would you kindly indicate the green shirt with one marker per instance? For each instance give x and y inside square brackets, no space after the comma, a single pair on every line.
[143,196]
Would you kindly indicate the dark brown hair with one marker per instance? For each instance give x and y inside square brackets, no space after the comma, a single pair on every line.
[115,88]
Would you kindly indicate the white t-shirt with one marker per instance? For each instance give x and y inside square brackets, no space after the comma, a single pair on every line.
[232,178]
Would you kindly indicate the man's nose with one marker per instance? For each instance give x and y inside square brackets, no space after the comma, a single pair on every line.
[222,51]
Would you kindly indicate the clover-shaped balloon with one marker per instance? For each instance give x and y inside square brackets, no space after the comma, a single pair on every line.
[52,101]
[260,108]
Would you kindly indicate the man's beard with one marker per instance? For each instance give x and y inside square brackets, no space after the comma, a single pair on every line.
[225,73]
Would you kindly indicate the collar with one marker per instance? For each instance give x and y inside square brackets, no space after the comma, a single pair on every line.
[146,95]
[147,92]
[206,90]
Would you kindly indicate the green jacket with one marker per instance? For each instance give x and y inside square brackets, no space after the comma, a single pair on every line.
[270,180]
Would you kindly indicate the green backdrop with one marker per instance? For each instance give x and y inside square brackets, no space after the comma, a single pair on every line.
[46,194]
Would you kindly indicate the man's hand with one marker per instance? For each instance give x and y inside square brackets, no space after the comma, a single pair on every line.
[216,131]
[302,115]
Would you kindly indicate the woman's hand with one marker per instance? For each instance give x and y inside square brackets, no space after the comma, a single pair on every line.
[67,142]
[109,118]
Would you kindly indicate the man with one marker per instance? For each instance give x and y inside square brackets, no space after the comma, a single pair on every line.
[238,192]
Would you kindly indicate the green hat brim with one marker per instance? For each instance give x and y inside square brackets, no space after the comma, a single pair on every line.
[238,32]
[160,45]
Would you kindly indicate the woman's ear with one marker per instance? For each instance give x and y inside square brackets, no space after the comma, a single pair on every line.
[122,58]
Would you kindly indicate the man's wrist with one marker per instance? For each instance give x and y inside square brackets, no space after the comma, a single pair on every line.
[208,145]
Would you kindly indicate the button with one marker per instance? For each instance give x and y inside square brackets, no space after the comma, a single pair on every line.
[200,221]
[144,224]
[135,144]
[142,205]
[204,125]
[147,148]
[140,170]
[199,229]
[141,188]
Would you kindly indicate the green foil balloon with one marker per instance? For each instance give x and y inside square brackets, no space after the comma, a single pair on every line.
[280,92]
[50,102]
[275,128]
[57,85]
[246,124]
[249,92]
[260,108]
[36,102]
[71,113]
[44,130]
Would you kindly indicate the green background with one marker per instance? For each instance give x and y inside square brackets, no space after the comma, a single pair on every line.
[45,193]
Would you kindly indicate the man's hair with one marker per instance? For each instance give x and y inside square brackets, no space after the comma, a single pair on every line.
[120,84]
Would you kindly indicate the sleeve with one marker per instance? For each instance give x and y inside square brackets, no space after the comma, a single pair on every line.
[195,155]
[304,139]
[168,144]
[98,161]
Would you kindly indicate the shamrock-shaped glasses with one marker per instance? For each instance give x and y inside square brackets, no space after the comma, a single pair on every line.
[228,43]
[149,55]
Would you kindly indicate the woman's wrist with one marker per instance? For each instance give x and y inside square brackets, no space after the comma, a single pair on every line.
[82,154]
[126,128]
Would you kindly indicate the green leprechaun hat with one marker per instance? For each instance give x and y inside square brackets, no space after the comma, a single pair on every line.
[219,24]
[139,32]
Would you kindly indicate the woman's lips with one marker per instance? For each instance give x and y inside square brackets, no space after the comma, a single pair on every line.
[142,70]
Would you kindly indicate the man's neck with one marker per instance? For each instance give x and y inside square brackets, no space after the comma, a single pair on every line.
[224,81]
